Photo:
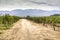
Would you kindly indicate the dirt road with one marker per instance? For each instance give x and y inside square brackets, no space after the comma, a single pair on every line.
[27,30]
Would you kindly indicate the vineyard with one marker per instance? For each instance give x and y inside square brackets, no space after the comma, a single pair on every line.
[7,20]
[53,20]
[29,28]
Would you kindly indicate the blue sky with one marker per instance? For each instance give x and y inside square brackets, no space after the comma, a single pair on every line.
[30,4]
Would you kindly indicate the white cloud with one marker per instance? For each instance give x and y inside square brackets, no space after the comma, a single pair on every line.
[30,4]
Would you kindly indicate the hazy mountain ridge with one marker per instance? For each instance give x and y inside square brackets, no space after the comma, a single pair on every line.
[31,12]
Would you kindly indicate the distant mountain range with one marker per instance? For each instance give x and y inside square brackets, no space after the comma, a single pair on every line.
[30,12]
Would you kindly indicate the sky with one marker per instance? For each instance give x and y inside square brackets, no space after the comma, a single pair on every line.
[30,4]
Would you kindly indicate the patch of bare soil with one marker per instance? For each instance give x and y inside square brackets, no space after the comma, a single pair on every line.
[27,30]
